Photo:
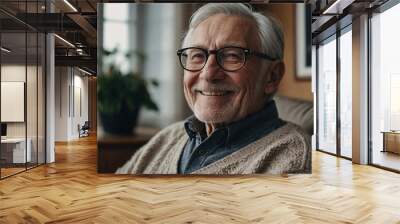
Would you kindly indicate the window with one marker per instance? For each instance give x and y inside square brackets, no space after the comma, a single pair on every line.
[327,96]
[139,28]
[116,31]
[385,88]
[335,74]
[346,93]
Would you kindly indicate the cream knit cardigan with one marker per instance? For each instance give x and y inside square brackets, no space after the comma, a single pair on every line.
[285,150]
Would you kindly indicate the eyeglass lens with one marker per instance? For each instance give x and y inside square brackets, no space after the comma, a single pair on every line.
[230,58]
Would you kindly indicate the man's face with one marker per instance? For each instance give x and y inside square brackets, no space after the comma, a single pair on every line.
[217,96]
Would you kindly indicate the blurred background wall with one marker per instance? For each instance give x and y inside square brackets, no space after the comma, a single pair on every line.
[290,85]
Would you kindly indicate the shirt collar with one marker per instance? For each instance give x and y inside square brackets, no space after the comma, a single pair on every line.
[195,127]
[254,122]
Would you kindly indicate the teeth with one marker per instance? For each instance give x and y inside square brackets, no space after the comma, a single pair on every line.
[213,93]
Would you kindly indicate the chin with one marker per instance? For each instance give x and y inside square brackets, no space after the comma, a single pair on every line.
[213,117]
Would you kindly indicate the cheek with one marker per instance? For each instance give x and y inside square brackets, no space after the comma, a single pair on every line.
[252,90]
[248,85]
[188,82]
[257,82]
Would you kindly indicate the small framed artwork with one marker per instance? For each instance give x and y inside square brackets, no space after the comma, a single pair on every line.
[303,42]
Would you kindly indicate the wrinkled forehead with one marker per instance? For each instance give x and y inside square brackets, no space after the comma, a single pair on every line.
[222,30]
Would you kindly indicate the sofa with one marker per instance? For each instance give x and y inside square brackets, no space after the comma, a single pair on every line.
[299,112]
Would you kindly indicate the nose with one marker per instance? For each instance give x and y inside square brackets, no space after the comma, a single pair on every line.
[212,71]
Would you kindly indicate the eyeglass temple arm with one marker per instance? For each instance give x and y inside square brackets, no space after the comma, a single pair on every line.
[261,55]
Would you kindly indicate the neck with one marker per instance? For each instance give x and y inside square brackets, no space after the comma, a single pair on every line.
[210,127]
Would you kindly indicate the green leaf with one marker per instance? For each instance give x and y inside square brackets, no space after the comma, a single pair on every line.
[117,90]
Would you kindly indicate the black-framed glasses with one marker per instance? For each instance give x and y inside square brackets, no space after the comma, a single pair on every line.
[228,58]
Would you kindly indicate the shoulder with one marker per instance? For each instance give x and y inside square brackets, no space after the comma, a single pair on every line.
[158,153]
[168,135]
[287,133]
[293,132]
[173,130]
[290,147]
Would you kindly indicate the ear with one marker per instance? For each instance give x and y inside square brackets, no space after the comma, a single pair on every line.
[276,73]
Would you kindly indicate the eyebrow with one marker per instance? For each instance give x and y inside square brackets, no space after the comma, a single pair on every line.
[232,44]
[227,44]
[197,45]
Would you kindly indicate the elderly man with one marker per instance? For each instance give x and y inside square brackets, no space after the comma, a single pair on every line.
[232,61]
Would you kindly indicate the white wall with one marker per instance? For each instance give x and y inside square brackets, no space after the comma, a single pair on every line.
[62,81]
[71,87]
[33,126]
[16,73]
[80,109]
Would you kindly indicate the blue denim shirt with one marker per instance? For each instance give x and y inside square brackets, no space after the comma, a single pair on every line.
[201,150]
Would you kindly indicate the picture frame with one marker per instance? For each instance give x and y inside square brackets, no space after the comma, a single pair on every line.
[303,56]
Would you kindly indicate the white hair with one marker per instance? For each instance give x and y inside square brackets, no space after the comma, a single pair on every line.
[269,31]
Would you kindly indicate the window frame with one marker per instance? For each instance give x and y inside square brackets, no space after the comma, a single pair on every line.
[333,37]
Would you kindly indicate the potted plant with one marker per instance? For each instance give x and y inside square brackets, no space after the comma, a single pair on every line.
[121,95]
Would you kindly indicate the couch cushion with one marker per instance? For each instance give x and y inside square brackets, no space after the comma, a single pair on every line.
[296,111]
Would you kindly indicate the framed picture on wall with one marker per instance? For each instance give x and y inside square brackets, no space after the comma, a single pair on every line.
[303,42]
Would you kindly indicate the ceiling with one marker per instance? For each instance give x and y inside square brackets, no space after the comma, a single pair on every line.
[332,15]
[74,21]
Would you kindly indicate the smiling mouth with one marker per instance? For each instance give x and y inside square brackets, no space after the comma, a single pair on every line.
[214,93]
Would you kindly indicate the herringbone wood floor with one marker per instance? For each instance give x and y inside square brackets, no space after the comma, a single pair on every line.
[70,191]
